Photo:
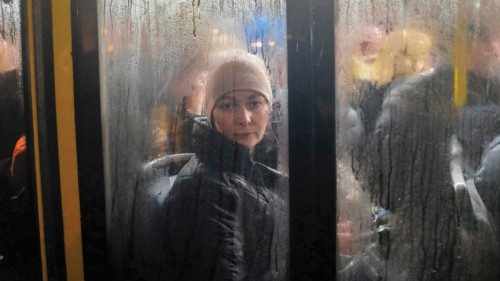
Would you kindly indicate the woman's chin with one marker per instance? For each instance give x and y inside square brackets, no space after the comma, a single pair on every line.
[245,140]
[250,144]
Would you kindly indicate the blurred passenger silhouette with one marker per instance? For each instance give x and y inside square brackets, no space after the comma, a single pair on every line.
[18,224]
[421,160]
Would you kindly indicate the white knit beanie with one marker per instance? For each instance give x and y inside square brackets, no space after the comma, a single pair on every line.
[238,71]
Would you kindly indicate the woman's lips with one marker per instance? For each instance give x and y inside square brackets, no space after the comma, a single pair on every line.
[242,135]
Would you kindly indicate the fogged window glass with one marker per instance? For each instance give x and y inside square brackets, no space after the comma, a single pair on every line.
[418,145]
[19,254]
[194,104]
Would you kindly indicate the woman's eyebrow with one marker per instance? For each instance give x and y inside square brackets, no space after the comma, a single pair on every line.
[256,95]
[225,98]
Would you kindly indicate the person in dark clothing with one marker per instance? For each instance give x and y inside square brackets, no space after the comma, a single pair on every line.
[11,109]
[181,131]
[13,170]
[18,229]
[487,180]
[421,165]
[410,177]
[226,214]
[19,252]
[190,85]
[378,59]
[11,113]
[425,160]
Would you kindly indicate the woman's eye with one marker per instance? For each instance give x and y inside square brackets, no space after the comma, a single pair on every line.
[226,105]
[256,103]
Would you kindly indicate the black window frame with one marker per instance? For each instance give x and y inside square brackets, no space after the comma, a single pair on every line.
[312,160]
[53,235]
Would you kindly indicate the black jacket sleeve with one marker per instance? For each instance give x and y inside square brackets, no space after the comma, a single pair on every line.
[204,231]
[4,178]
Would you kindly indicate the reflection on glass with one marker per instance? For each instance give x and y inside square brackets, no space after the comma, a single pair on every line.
[418,140]
[19,254]
[194,105]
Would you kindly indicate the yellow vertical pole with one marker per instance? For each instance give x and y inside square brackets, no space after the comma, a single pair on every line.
[66,134]
[36,146]
[460,55]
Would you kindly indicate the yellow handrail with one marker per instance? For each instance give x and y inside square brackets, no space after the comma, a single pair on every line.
[460,56]
[66,135]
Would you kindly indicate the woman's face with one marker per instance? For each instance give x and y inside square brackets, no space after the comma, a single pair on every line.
[242,116]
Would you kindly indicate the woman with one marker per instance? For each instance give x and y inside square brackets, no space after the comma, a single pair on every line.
[227,215]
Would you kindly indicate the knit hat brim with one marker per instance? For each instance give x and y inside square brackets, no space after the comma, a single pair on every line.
[239,71]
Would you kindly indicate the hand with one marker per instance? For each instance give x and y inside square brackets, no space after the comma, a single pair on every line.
[18,168]
[345,236]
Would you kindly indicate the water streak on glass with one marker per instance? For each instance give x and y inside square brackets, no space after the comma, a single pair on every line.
[418,95]
[155,60]
[19,243]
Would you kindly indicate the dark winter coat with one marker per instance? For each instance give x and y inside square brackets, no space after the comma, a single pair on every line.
[407,170]
[11,113]
[226,215]
[18,229]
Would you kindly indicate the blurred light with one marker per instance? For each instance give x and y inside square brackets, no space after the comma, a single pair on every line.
[265,26]
[271,44]
[259,44]
[215,31]
[111,48]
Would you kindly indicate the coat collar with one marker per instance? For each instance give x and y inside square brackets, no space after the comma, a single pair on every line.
[218,150]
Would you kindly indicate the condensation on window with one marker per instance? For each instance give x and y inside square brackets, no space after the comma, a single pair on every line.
[10,70]
[156,58]
[19,243]
[418,126]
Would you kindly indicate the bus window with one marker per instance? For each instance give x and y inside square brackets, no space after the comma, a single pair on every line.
[194,110]
[418,141]
[19,241]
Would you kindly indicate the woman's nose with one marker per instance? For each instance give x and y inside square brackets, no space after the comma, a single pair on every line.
[243,116]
